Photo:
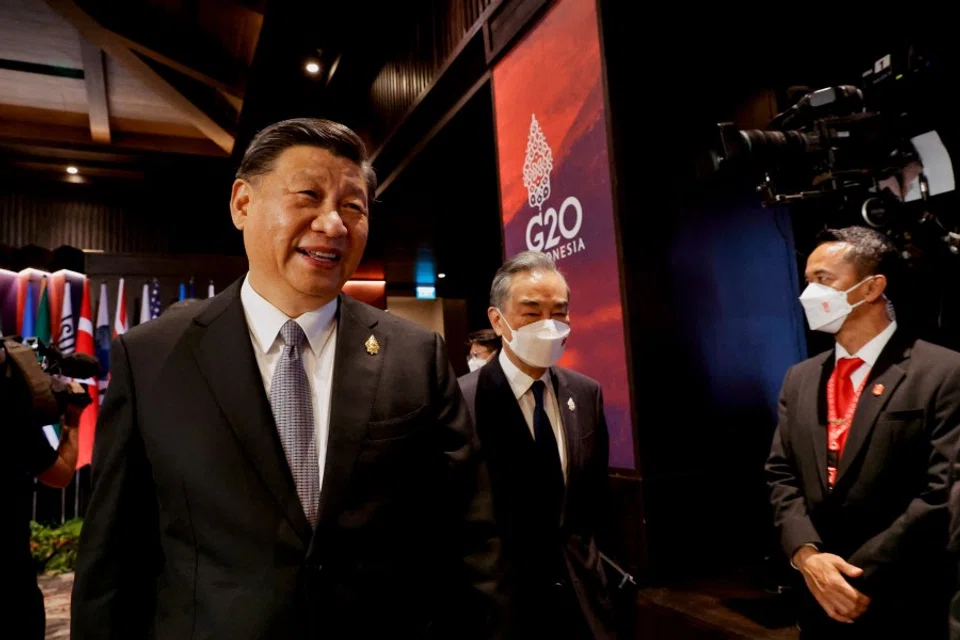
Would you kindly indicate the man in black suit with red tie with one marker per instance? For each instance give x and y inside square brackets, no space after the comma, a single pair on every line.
[544,435]
[282,461]
[859,462]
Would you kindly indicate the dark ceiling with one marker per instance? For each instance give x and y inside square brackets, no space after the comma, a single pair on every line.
[240,63]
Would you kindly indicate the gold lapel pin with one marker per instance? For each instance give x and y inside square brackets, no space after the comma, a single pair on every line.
[570,403]
[877,389]
[373,347]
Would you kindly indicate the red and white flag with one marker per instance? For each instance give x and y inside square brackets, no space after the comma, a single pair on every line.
[88,419]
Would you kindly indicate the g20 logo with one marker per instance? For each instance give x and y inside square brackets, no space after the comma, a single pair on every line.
[568,222]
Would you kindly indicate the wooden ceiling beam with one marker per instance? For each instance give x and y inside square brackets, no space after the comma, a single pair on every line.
[152,35]
[114,46]
[70,137]
[95,78]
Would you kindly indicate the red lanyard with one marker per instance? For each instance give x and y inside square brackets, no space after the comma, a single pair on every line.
[838,428]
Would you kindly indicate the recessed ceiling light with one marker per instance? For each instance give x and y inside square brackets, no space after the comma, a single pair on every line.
[312,68]
[73,170]
[441,275]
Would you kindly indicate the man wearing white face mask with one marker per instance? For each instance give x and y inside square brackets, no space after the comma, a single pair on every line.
[858,467]
[484,344]
[545,440]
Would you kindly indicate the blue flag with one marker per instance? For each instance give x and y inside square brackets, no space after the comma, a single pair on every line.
[101,339]
[183,291]
[29,314]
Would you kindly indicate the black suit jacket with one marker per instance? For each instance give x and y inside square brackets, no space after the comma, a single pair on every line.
[194,528]
[529,548]
[887,512]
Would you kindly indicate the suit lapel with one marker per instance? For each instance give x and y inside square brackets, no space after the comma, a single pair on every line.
[225,356]
[498,410]
[812,410]
[569,420]
[356,376]
[888,373]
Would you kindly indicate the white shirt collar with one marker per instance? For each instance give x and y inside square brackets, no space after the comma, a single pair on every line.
[870,351]
[520,382]
[265,320]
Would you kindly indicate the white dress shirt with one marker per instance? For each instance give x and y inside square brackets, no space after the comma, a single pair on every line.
[868,353]
[521,385]
[320,326]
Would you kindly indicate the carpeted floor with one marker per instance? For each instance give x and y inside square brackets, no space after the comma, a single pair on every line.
[56,596]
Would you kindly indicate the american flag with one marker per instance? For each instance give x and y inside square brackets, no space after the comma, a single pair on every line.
[155,299]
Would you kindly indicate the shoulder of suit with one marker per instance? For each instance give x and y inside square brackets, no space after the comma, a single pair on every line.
[577,378]
[166,328]
[469,380]
[387,322]
[812,363]
[935,356]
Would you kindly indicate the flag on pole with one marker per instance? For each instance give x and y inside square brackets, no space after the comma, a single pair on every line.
[67,342]
[155,299]
[192,288]
[120,324]
[42,327]
[145,304]
[210,291]
[103,341]
[183,292]
[27,327]
[88,419]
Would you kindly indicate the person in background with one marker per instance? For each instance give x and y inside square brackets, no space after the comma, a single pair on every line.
[858,467]
[543,432]
[281,460]
[484,344]
[30,457]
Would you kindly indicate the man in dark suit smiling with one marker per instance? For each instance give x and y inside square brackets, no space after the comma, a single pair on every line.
[282,461]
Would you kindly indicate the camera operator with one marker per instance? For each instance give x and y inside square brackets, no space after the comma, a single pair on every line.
[30,456]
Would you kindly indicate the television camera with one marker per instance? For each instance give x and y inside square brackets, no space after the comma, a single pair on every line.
[37,379]
[869,152]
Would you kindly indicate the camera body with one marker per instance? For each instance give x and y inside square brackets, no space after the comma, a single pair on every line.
[33,376]
[869,152]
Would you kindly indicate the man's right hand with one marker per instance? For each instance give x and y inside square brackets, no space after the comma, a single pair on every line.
[824,574]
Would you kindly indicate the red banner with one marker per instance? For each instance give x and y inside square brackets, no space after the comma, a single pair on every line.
[556,192]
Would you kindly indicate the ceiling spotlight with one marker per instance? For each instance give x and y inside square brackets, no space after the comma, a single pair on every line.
[73,170]
[441,275]
[312,68]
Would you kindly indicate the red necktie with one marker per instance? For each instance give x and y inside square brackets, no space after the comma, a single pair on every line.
[846,394]
[841,414]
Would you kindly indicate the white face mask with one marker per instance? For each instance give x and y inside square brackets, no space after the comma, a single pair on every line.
[475,363]
[826,308]
[539,344]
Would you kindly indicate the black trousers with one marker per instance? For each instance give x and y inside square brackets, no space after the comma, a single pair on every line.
[26,606]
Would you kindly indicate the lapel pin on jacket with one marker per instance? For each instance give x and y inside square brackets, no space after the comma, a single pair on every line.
[877,389]
[570,403]
[373,347]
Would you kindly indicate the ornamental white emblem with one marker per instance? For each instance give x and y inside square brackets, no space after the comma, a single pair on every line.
[537,165]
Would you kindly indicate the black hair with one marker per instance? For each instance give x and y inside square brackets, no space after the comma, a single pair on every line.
[870,252]
[336,138]
[485,338]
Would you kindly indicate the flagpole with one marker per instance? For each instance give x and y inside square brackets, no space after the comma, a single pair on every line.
[76,494]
